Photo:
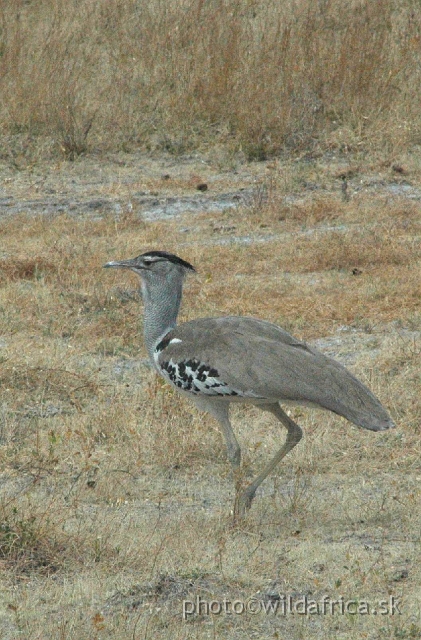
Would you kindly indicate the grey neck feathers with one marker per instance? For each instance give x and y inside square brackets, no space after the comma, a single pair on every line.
[161,299]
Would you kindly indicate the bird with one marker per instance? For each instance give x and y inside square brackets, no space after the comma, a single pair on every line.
[217,361]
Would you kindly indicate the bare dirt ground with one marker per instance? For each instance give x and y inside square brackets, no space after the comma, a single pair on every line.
[115,494]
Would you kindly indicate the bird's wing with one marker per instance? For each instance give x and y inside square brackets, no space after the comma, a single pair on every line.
[259,359]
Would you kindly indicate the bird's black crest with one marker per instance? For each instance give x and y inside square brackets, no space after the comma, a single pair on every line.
[171,257]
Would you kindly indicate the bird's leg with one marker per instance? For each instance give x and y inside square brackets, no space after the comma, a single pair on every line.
[243,502]
[220,411]
[233,448]
[234,456]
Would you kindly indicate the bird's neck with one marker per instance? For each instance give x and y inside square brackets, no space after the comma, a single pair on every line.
[162,301]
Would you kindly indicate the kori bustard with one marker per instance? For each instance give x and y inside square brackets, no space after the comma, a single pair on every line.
[216,361]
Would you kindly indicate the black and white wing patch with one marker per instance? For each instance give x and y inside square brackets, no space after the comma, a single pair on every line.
[197,378]
[194,376]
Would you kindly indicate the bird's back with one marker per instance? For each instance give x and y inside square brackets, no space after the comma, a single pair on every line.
[255,360]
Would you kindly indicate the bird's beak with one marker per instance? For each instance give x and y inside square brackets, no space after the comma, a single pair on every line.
[121,264]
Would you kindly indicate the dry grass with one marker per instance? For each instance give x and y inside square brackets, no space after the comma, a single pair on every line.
[260,77]
[116,494]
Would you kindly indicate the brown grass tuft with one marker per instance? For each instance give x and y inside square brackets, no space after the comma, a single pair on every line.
[27,544]
[26,268]
[367,249]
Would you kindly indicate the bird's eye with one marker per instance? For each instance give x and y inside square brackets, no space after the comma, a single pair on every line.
[147,261]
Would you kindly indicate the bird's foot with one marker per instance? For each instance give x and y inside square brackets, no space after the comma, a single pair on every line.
[242,503]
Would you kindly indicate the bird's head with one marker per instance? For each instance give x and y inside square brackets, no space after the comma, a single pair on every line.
[154,265]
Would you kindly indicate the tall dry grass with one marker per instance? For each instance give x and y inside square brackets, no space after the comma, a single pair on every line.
[259,76]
